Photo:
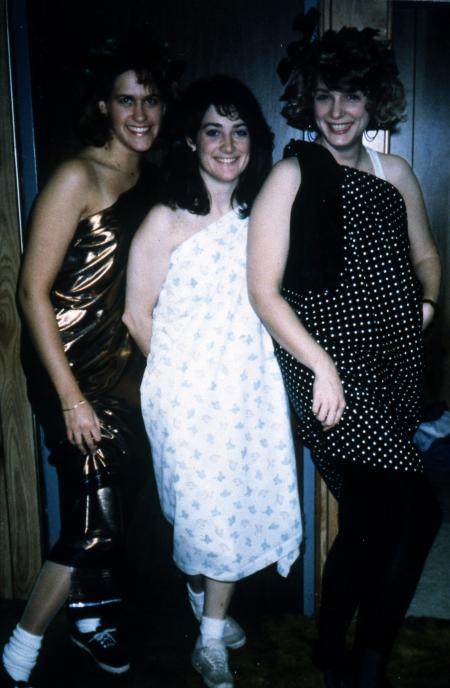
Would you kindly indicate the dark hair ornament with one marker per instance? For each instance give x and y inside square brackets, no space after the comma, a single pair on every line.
[297,52]
[347,60]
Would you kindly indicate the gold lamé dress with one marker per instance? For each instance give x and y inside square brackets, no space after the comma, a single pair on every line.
[97,490]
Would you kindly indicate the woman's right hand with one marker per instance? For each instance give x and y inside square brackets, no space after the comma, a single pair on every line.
[83,427]
[328,395]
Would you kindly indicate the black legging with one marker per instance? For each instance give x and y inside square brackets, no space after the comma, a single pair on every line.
[98,495]
[387,523]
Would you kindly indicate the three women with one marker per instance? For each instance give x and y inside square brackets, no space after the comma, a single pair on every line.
[332,226]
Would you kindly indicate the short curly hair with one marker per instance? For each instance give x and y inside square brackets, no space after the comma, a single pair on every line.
[153,69]
[347,60]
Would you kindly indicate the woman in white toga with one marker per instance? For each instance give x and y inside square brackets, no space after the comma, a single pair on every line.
[212,394]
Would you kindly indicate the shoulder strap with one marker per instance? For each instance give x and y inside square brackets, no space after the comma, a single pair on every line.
[376,163]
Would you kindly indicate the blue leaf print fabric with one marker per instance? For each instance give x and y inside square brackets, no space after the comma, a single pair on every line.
[217,415]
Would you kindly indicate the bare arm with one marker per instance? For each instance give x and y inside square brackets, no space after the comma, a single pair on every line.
[423,247]
[267,254]
[147,268]
[55,218]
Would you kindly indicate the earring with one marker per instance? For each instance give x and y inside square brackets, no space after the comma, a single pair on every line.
[310,134]
[191,145]
[369,138]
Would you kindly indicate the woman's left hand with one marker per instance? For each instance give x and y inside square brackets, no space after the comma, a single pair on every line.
[83,427]
[328,394]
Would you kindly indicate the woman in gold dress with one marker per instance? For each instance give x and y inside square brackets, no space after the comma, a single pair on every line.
[84,381]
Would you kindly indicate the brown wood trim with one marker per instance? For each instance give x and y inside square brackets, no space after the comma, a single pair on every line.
[5,558]
[359,13]
[326,529]
[19,504]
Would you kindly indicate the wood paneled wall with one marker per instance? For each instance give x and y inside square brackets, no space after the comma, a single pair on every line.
[422,49]
[20,541]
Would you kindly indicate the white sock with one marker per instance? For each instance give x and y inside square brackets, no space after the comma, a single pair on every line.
[211,629]
[88,625]
[197,601]
[20,653]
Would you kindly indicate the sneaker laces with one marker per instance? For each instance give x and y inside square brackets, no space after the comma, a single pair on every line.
[105,637]
[217,656]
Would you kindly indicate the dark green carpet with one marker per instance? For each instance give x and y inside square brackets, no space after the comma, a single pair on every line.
[277,654]
[161,631]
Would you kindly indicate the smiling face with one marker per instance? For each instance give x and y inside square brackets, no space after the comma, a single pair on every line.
[223,147]
[341,117]
[135,112]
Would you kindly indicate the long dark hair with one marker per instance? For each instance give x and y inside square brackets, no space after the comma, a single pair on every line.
[183,186]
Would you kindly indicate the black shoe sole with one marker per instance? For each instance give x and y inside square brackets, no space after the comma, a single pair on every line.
[106,667]
[6,681]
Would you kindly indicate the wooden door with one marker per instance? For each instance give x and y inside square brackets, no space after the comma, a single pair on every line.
[20,537]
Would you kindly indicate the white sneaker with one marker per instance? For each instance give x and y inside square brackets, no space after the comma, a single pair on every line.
[233,634]
[211,661]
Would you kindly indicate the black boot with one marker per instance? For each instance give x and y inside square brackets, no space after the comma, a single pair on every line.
[337,666]
[338,678]
[371,670]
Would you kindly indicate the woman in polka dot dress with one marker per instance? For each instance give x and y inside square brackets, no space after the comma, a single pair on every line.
[345,274]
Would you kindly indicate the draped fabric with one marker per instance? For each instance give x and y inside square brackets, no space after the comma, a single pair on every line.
[368,318]
[96,490]
[217,417]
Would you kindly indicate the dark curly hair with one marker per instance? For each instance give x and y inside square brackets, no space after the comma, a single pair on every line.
[348,60]
[184,186]
[153,68]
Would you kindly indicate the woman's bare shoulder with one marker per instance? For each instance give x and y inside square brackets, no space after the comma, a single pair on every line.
[287,170]
[76,173]
[396,168]
[158,224]
[71,190]
[283,180]
[160,215]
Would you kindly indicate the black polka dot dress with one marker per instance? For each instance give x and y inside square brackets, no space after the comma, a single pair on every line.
[368,317]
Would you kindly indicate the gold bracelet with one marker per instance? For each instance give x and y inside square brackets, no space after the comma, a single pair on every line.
[71,408]
[431,302]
